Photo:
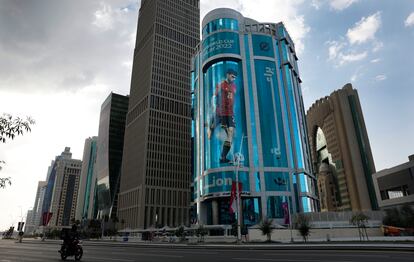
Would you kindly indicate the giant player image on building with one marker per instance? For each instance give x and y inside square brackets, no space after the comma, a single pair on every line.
[223,102]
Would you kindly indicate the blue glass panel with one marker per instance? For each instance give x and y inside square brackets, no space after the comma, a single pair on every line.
[275,206]
[257,182]
[221,24]
[295,120]
[271,121]
[277,181]
[222,181]
[306,204]
[251,211]
[285,116]
[262,45]
[225,119]
[253,139]
[304,187]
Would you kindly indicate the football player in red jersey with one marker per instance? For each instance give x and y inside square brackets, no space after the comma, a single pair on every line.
[224,101]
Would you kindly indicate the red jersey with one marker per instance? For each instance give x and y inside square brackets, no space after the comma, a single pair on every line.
[225,98]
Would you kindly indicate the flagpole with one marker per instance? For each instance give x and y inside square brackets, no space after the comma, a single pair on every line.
[238,193]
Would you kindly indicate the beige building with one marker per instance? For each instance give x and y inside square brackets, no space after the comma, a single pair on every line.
[338,137]
[156,162]
[65,190]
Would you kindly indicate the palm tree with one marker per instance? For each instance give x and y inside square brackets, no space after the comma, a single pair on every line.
[303,226]
[360,220]
[266,228]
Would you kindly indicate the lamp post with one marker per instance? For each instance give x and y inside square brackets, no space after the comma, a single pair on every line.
[239,211]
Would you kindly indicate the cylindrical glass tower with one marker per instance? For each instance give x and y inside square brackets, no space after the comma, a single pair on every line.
[248,109]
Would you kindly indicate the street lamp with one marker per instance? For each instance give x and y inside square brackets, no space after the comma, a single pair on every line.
[239,158]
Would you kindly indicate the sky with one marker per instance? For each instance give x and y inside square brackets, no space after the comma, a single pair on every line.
[59,60]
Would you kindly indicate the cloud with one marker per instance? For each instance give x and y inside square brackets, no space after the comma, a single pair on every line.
[104,17]
[316,4]
[340,5]
[339,56]
[380,77]
[344,58]
[365,29]
[55,45]
[376,60]
[286,11]
[410,20]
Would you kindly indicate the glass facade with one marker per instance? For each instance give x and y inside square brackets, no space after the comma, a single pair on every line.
[248,122]
[109,152]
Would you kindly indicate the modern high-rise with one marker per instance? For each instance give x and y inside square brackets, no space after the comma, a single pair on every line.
[249,123]
[338,137]
[87,182]
[156,168]
[65,190]
[29,226]
[110,146]
[38,204]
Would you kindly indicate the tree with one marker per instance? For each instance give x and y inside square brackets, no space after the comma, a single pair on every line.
[266,228]
[201,231]
[303,226]
[9,128]
[180,232]
[360,220]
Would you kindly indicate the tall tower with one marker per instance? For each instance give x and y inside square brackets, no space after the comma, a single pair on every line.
[84,206]
[156,168]
[109,152]
[65,190]
[248,108]
[338,137]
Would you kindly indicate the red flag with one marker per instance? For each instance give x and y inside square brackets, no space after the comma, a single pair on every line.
[46,218]
[285,207]
[233,201]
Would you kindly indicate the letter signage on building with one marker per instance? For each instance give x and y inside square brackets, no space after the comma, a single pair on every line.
[221,43]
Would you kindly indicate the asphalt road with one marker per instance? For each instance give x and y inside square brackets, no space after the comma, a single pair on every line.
[11,251]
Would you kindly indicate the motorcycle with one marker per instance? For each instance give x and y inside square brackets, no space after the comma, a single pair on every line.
[74,249]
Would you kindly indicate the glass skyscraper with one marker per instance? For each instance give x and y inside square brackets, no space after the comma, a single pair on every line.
[110,144]
[248,107]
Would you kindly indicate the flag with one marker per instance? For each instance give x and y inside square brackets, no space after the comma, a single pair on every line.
[46,218]
[233,200]
[285,207]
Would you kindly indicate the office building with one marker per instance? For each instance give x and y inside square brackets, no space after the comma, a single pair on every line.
[109,153]
[87,182]
[156,168]
[248,109]
[66,172]
[394,187]
[38,204]
[338,137]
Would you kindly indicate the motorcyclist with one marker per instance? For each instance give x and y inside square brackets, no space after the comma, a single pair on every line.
[70,237]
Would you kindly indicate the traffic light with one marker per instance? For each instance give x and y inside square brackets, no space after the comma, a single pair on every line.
[20,226]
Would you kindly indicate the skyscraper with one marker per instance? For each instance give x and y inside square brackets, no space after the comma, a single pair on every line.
[156,166]
[338,138]
[65,190]
[87,181]
[249,123]
[38,204]
[109,152]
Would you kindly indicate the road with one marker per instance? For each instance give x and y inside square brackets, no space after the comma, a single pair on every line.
[11,251]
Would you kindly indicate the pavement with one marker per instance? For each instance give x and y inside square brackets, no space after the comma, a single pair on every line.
[38,251]
[354,245]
